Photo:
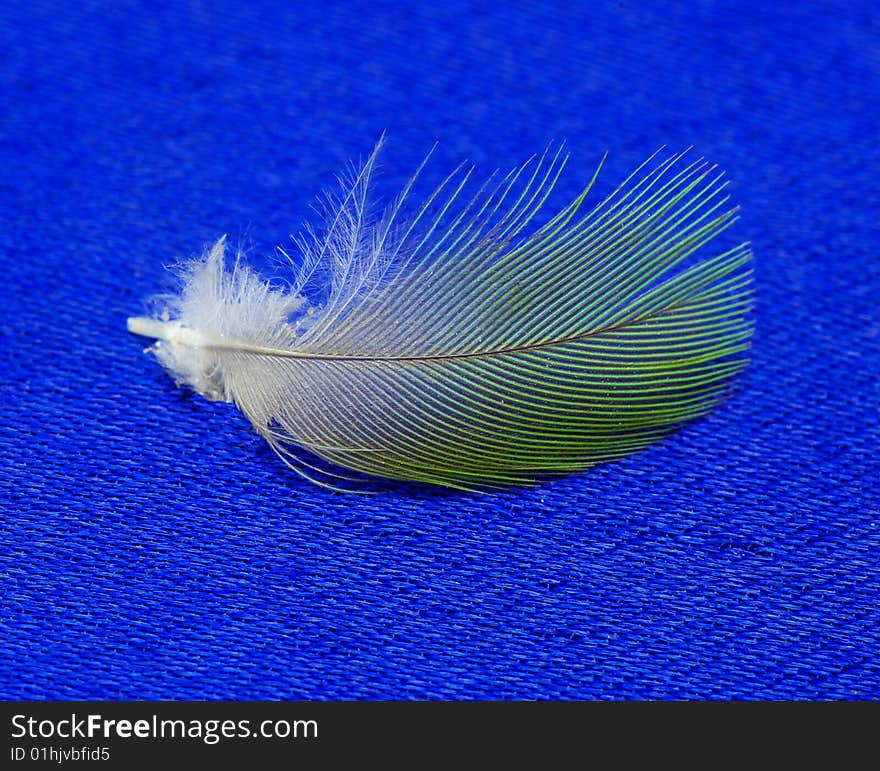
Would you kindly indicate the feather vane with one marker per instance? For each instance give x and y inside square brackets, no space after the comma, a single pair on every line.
[452,348]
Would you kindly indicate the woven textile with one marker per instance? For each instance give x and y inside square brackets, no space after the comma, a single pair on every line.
[151,545]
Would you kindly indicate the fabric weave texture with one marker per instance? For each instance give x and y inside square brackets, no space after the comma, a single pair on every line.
[151,545]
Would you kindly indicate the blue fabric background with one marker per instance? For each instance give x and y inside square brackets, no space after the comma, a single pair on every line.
[152,547]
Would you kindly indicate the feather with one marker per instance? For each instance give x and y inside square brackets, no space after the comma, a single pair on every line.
[462,347]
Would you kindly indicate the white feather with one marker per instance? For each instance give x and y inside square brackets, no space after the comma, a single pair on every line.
[451,349]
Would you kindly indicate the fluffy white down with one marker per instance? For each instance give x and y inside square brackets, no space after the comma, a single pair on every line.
[217,309]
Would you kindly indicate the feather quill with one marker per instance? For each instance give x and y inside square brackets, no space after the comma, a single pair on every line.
[457,348]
